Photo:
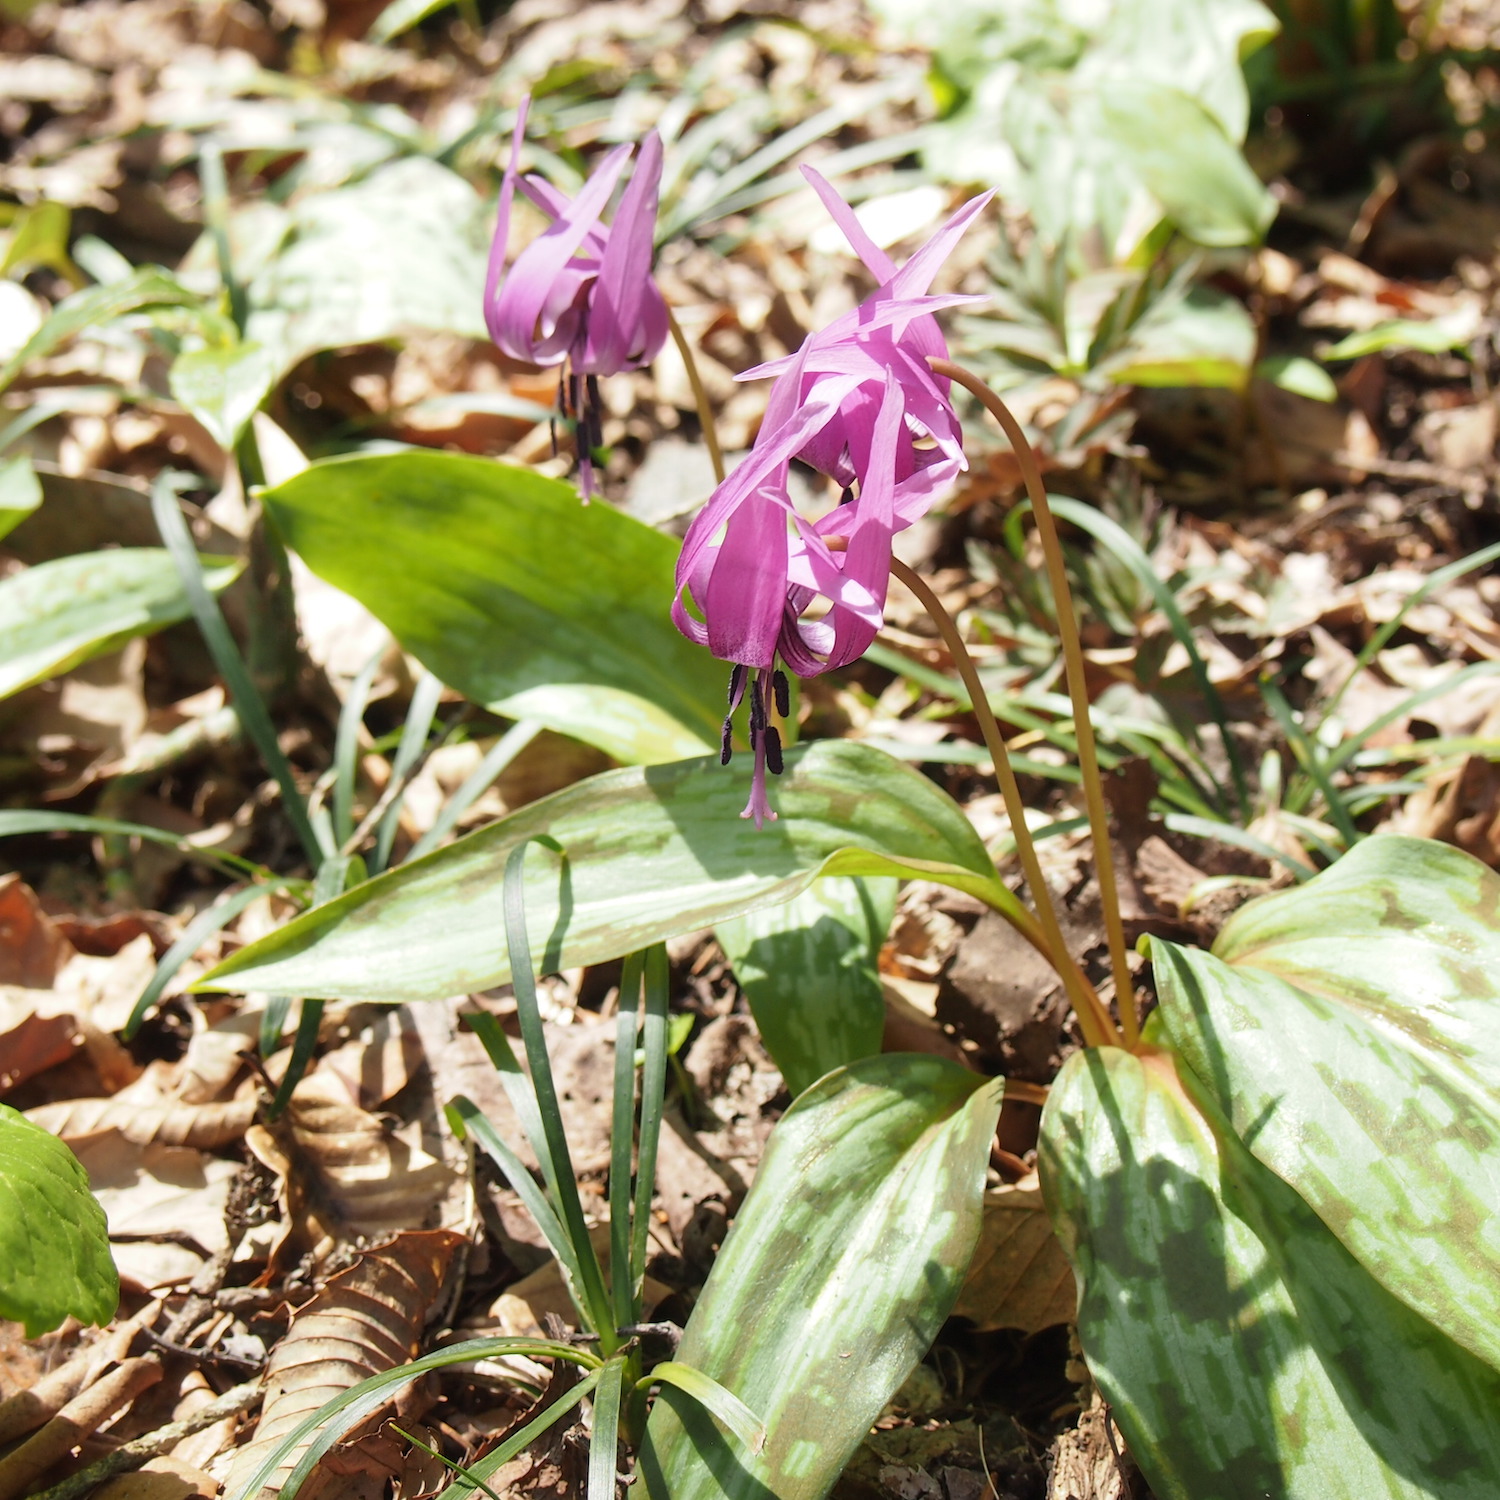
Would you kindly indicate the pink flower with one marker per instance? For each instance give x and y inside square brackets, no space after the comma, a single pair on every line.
[858,403]
[581,294]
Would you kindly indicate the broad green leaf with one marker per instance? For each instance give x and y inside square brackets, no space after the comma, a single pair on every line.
[1246,1355]
[1205,339]
[404,248]
[809,969]
[54,1246]
[61,613]
[650,852]
[149,286]
[837,1274]
[1434,337]
[223,387]
[20,492]
[506,586]
[1187,162]
[1350,1031]
[1302,377]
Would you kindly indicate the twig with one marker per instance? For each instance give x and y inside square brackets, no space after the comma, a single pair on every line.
[81,1417]
[132,1455]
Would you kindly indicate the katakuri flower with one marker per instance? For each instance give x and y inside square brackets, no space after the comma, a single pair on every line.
[859,403]
[581,295]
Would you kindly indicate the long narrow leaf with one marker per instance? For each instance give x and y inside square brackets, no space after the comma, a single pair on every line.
[622,1133]
[346,749]
[735,1416]
[1310,761]
[654,1031]
[424,702]
[477,782]
[247,700]
[604,1442]
[13,824]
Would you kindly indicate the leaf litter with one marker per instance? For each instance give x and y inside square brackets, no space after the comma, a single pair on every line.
[302,1252]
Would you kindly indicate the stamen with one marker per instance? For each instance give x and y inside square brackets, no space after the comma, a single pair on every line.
[783,691]
[773,751]
[726,740]
[737,678]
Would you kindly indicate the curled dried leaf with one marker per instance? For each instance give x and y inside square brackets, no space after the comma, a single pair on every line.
[203,1126]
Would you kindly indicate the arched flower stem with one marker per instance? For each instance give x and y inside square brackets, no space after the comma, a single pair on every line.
[1094,1020]
[700,395]
[1067,629]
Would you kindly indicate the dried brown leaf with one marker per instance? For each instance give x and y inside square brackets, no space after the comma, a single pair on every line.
[367,1319]
[1019,1277]
[32,950]
[203,1126]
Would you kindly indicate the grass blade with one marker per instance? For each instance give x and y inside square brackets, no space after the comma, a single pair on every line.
[13,824]
[654,1042]
[242,690]
[419,717]
[346,749]
[1309,759]
[621,1139]
[708,1393]
[501,754]
[604,1444]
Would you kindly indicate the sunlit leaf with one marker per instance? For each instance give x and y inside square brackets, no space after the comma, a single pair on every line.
[20,492]
[61,613]
[223,387]
[837,1274]
[809,971]
[1246,1355]
[1434,337]
[54,1247]
[1205,339]
[1300,376]
[1350,1031]
[511,590]
[649,853]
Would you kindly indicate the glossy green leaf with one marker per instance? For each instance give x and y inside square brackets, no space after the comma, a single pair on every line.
[1350,1031]
[20,492]
[838,1272]
[149,286]
[61,613]
[54,1246]
[514,592]
[809,970]
[650,852]
[1246,1355]
[223,387]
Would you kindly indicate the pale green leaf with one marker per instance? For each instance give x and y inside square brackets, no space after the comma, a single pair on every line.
[1204,339]
[1246,1355]
[838,1272]
[1350,1030]
[1300,376]
[649,853]
[54,1247]
[510,589]
[1434,337]
[61,613]
[20,492]
[809,970]
[402,15]
[403,249]
[1187,162]
[223,387]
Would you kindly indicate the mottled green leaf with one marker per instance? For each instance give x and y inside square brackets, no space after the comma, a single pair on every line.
[402,249]
[1350,1031]
[1245,1353]
[61,613]
[837,1274]
[20,492]
[223,387]
[513,591]
[649,852]
[54,1246]
[809,971]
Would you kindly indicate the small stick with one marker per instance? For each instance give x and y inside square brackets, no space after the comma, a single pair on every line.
[82,1416]
[1072,648]
[131,1455]
[26,1410]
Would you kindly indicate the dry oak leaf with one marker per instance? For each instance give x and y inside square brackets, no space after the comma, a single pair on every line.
[1019,1277]
[366,1320]
[203,1126]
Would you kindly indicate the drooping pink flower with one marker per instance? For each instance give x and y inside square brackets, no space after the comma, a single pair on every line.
[859,403]
[581,294]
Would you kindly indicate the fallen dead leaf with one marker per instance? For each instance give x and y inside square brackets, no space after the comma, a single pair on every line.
[367,1319]
[1019,1277]
[203,1126]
